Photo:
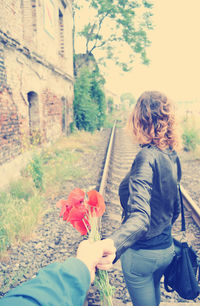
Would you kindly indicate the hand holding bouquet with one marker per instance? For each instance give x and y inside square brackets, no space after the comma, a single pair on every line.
[84,216]
[93,253]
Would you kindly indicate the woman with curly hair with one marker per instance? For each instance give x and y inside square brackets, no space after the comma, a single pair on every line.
[150,200]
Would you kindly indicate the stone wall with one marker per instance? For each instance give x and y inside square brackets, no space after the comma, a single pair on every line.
[36,72]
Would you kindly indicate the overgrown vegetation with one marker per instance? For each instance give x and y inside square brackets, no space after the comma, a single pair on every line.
[36,171]
[190,139]
[110,105]
[191,132]
[127,98]
[89,100]
[25,201]
[19,212]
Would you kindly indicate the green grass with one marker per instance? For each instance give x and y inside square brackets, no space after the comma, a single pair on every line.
[25,201]
[22,189]
[60,169]
[18,217]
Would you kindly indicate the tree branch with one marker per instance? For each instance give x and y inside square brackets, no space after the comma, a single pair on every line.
[98,31]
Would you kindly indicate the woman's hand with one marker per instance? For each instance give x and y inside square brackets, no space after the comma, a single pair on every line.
[109,253]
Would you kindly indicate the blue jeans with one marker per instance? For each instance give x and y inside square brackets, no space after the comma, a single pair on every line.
[142,271]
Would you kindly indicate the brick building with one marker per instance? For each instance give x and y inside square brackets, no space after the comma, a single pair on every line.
[36,72]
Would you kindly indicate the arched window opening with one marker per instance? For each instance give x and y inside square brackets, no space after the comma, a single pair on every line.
[34,119]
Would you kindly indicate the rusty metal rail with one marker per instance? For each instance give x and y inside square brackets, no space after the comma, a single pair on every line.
[107,162]
[191,206]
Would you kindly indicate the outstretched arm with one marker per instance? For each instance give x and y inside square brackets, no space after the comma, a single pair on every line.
[64,283]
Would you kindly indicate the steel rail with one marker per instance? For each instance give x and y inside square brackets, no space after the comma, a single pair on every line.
[107,162]
[104,178]
[106,169]
[191,206]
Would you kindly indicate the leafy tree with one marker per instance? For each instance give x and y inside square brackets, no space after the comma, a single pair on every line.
[191,139]
[127,97]
[84,109]
[89,100]
[113,26]
[98,96]
[110,104]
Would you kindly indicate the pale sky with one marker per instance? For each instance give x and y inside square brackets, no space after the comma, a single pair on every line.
[174,54]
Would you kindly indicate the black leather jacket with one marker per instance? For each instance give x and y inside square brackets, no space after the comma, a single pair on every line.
[149,197]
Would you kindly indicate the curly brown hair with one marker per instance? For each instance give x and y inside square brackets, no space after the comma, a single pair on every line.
[153,121]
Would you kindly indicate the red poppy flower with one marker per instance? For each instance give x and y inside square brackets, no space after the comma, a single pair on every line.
[66,213]
[65,208]
[61,203]
[76,197]
[78,218]
[82,227]
[96,203]
[75,211]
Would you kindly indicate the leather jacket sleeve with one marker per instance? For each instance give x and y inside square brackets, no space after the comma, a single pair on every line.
[138,212]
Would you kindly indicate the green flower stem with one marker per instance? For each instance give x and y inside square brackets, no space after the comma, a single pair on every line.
[105,288]
[107,301]
[94,234]
[101,280]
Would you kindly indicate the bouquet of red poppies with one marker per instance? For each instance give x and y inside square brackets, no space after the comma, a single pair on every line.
[83,211]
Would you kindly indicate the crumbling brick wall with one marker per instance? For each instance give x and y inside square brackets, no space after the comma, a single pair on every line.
[32,64]
[10,142]
[52,115]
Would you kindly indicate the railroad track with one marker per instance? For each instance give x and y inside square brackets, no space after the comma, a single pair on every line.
[191,206]
[54,240]
[120,155]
